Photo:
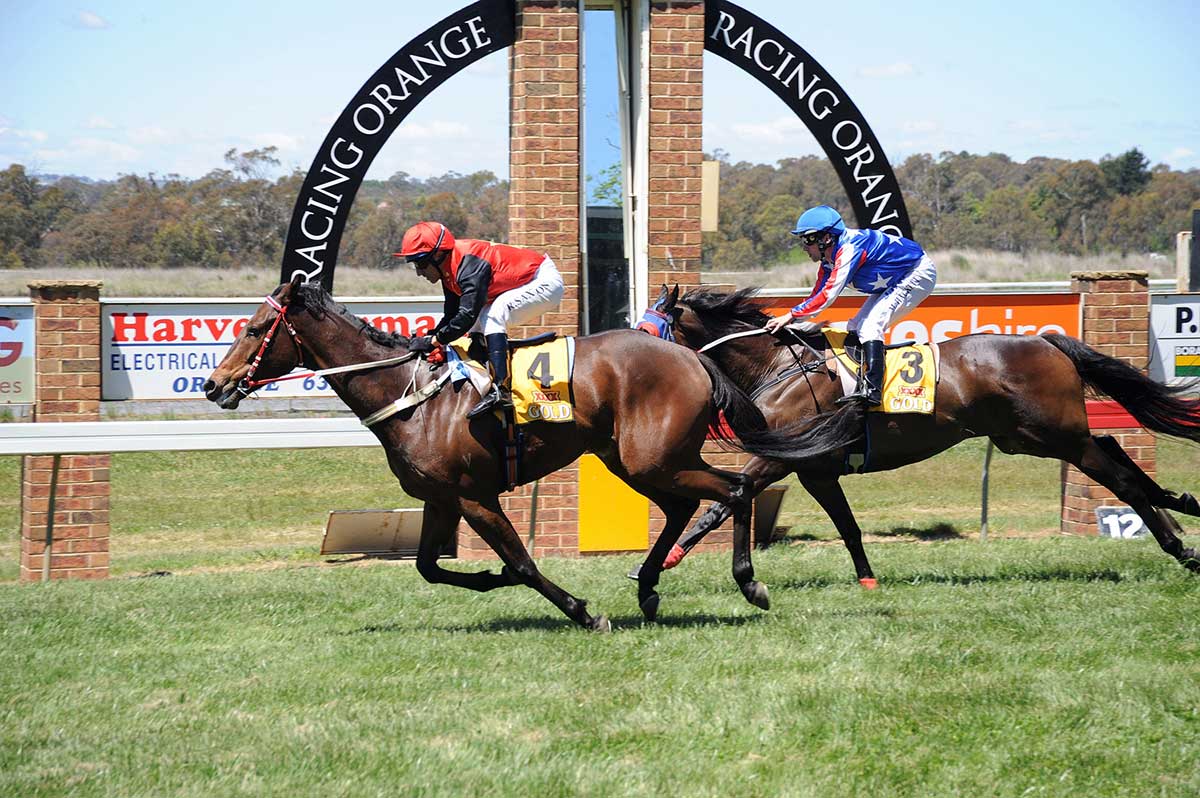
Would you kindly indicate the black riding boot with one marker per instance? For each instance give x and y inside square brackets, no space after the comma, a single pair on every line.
[870,380]
[497,347]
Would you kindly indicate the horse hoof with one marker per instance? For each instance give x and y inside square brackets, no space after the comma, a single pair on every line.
[1190,560]
[869,582]
[756,594]
[600,624]
[650,607]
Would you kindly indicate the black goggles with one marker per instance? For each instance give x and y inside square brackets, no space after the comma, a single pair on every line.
[419,260]
[811,238]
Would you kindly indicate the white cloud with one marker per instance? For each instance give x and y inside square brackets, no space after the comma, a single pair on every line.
[283,141]
[86,19]
[1180,153]
[434,130]
[775,131]
[99,123]
[100,148]
[150,134]
[900,69]
[25,135]
[920,126]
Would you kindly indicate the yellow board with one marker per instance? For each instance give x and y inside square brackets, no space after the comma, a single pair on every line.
[612,515]
[910,375]
[541,381]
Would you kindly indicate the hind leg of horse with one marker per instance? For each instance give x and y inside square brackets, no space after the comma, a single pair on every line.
[702,481]
[761,473]
[489,521]
[1127,486]
[437,525]
[1184,503]
[743,569]
[677,510]
[831,497]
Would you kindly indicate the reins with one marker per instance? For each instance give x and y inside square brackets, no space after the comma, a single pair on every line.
[781,376]
[249,384]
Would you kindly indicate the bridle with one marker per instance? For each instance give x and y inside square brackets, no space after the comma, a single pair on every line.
[247,384]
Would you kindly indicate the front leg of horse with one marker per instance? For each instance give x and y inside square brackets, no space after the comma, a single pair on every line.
[438,523]
[489,522]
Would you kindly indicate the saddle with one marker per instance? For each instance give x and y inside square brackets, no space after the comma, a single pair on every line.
[541,389]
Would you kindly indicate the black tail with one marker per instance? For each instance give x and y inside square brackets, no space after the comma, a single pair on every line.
[815,436]
[1157,407]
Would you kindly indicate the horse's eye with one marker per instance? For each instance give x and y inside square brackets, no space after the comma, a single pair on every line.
[253,332]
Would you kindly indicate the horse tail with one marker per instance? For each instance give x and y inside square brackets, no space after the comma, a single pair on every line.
[813,437]
[741,416]
[1156,407]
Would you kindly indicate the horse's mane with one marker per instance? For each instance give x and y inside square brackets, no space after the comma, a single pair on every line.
[721,314]
[314,298]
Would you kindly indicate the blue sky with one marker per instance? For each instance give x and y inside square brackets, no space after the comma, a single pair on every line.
[102,88]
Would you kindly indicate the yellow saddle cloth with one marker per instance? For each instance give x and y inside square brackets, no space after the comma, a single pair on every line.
[910,374]
[541,381]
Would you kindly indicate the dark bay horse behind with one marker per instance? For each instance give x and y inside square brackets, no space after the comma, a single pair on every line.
[1026,393]
[643,406]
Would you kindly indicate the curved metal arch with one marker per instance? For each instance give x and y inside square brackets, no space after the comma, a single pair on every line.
[815,97]
[388,96]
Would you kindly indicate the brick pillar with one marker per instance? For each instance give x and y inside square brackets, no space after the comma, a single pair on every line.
[676,143]
[544,215]
[1116,322]
[67,330]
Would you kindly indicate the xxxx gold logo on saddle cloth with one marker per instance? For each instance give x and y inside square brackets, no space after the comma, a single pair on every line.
[541,381]
[910,374]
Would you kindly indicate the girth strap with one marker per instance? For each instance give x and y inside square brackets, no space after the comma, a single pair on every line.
[412,400]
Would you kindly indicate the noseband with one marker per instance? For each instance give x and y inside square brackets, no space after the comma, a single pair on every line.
[248,384]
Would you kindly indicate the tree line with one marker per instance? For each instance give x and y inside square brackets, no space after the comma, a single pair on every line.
[960,200]
[238,215]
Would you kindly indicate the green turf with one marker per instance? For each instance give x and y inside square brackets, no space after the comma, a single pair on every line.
[1017,667]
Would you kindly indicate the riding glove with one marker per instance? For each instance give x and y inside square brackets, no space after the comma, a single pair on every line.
[421,345]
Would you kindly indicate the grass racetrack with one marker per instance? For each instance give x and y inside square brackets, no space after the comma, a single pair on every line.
[1032,664]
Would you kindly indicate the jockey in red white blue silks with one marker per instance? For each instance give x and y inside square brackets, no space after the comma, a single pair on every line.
[894,273]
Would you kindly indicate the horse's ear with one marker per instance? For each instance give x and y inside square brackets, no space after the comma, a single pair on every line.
[297,280]
[674,294]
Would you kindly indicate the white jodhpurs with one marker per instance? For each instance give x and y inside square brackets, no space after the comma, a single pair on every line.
[887,307]
[523,304]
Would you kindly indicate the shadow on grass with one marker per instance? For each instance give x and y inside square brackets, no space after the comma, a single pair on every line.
[1049,575]
[940,531]
[551,623]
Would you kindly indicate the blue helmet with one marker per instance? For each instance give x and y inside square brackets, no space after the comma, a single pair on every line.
[818,220]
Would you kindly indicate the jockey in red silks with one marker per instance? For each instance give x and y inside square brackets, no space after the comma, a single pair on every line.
[487,287]
[894,273]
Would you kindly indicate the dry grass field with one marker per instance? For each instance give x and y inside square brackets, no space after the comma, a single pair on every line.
[954,266]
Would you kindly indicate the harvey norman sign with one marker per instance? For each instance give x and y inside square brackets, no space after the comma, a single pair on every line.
[167,349]
[796,78]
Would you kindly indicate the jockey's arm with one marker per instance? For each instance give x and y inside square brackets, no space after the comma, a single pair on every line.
[474,278]
[449,310]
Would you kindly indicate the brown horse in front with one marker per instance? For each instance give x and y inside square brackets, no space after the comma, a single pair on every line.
[642,405]
[1026,393]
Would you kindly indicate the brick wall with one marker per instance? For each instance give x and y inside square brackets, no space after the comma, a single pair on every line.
[544,215]
[1116,322]
[67,329]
